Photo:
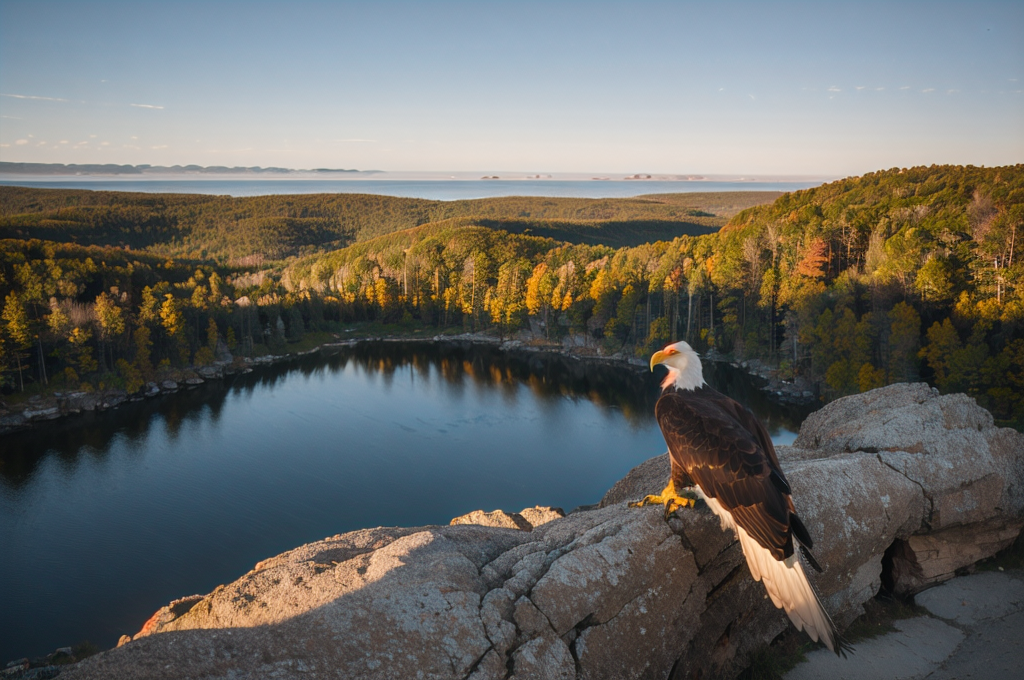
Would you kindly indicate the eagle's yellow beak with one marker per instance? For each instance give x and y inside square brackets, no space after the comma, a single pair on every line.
[657,358]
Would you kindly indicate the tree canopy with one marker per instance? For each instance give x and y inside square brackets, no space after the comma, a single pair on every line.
[897,275]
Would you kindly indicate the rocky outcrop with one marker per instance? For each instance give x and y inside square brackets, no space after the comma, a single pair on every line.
[966,476]
[899,485]
[524,520]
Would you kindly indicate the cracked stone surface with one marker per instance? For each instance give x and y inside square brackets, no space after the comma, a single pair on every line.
[613,592]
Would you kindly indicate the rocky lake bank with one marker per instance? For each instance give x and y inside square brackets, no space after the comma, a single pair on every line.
[40,409]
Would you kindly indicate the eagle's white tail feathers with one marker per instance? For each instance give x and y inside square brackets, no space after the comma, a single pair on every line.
[785,581]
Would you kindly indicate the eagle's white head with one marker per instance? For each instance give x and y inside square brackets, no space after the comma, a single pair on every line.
[684,370]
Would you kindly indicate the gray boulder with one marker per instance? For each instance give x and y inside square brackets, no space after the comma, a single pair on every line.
[898,485]
[967,476]
[210,372]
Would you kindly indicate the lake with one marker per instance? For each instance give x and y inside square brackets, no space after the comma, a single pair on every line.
[106,517]
[434,189]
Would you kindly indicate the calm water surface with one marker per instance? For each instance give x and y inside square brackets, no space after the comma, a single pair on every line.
[440,190]
[106,517]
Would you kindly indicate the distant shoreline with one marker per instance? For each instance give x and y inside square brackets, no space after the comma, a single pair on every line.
[430,188]
[116,170]
[111,171]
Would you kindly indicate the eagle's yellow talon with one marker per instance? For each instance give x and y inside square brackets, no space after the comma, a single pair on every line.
[647,500]
[670,498]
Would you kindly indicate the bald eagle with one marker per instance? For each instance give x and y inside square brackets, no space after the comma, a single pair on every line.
[721,450]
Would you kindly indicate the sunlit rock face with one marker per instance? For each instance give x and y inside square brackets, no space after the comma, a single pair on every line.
[899,487]
[525,520]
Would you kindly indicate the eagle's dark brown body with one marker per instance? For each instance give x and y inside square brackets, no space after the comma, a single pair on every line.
[719,446]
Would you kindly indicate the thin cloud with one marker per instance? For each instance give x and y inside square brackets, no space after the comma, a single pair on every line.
[159,146]
[834,89]
[927,90]
[752,97]
[355,140]
[860,87]
[146,106]
[21,142]
[32,96]
[905,87]
[12,118]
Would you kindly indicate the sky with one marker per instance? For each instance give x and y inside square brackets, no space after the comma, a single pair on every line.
[714,88]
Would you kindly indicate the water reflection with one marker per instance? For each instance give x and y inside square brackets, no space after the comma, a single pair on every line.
[549,377]
[68,438]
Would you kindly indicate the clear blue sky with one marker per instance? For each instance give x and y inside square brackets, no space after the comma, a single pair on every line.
[820,88]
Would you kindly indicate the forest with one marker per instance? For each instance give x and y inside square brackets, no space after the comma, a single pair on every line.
[902,274]
[227,230]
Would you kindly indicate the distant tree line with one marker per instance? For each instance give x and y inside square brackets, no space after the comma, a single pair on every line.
[897,275]
[225,229]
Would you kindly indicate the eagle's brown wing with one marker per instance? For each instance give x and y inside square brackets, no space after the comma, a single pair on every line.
[729,464]
[732,460]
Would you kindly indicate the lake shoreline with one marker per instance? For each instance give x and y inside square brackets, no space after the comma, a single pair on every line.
[61,404]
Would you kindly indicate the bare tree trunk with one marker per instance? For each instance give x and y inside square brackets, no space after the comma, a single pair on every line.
[771,328]
[675,320]
[796,336]
[711,312]
[42,361]
[999,290]
[648,314]
[1013,238]
[689,314]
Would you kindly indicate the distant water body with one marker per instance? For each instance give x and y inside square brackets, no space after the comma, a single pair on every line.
[439,190]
